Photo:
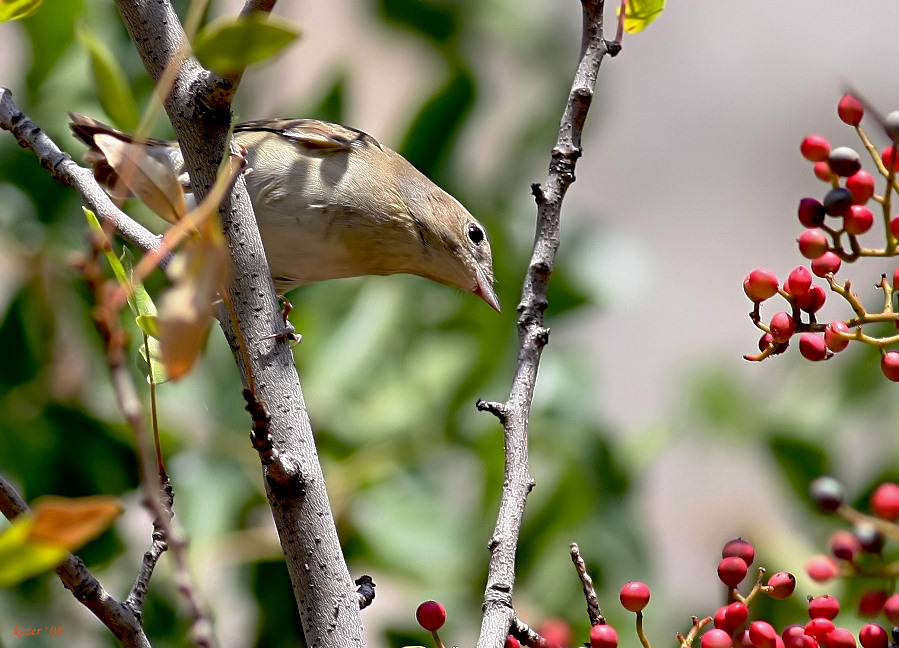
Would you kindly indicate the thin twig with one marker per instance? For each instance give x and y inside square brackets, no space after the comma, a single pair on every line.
[593,611]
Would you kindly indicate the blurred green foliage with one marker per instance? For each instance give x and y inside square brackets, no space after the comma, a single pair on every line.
[391,369]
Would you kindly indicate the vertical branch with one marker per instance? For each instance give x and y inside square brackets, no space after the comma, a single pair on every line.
[533,335]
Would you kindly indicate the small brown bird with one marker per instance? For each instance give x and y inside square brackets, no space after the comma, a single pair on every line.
[332,202]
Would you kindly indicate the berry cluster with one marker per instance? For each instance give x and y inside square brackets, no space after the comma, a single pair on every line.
[833,226]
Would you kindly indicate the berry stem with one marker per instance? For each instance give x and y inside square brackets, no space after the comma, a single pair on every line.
[641,634]
[855,516]
[437,639]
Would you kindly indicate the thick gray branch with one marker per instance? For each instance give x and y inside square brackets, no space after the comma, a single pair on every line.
[533,335]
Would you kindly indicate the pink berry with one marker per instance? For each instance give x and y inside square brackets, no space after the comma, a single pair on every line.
[844,161]
[891,609]
[782,327]
[813,243]
[844,545]
[884,501]
[813,300]
[762,634]
[821,568]
[834,342]
[873,636]
[760,284]
[859,219]
[764,341]
[556,631]
[791,632]
[886,156]
[735,615]
[431,615]
[822,171]
[799,281]
[815,148]
[512,642]
[850,110]
[715,638]
[818,629]
[823,607]
[812,347]
[739,547]
[861,186]
[871,603]
[889,365]
[732,570]
[811,212]
[826,263]
[634,596]
[802,641]
[783,584]
[840,638]
[603,636]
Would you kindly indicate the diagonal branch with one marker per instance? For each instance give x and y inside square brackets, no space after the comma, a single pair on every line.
[533,335]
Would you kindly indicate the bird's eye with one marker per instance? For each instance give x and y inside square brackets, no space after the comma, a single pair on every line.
[475,234]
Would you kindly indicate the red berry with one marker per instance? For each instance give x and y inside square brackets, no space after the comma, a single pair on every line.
[826,263]
[861,186]
[760,284]
[738,546]
[821,568]
[791,632]
[813,243]
[859,219]
[715,638]
[735,615]
[557,632]
[431,615]
[811,212]
[889,365]
[822,171]
[815,148]
[732,570]
[844,545]
[850,110]
[891,609]
[886,156]
[873,636]
[798,281]
[818,629]
[895,276]
[782,327]
[834,342]
[812,347]
[823,607]
[634,596]
[840,638]
[512,642]
[884,501]
[802,641]
[894,226]
[871,603]
[813,300]
[763,635]
[783,584]
[844,161]
[603,636]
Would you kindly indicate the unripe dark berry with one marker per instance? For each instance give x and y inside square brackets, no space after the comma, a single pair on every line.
[871,539]
[634,596]
[812,347]
[850,110]
[837,202]
[891,125]
[840,638]
[823,607]
[844,545]
[603,636]
[762,634]
[431,615]
[818,629]
[811,212]
[859,219]
[732,570]
[738,546]
[812,300]
[826,263]
[884,501]
[715,638]
[815,148]
[760,284]
[871,603]
[782,584]
[834,342]
[827,493]
[844,161]
[889,365]
[873,636]
[861,186]
[782,327]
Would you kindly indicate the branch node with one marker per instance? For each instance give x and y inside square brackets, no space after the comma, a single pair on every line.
[365,591]
[499,410]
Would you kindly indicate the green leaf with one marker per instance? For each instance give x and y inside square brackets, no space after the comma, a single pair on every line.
[228,45]
[437,20]
[801,461]
[18,9]
[640,13]
[112,84]
[22,558]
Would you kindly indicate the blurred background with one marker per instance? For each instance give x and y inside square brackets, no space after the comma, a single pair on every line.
[652,442]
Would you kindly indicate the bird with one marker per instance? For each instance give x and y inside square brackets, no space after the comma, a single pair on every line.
[332,202]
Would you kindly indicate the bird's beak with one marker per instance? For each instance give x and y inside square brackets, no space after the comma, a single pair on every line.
[485,291]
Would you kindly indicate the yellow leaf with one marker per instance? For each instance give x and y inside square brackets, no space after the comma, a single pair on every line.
[72,522]
[639,13]
[21,557]
[18,9]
